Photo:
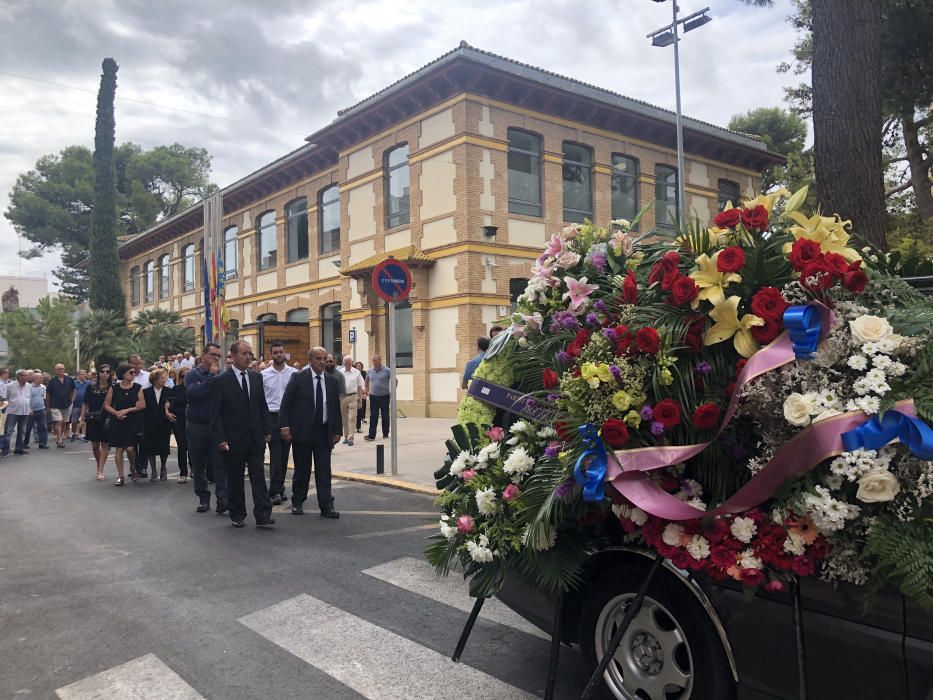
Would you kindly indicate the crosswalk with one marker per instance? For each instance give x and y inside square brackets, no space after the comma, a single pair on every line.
[369,660]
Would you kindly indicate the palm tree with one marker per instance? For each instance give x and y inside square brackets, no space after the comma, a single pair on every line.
[153,319]
[105,337]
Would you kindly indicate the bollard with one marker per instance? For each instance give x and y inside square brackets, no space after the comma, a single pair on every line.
[380,459]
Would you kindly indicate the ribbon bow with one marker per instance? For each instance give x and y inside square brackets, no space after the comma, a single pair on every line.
[803,325]
[877,432]
[592,474]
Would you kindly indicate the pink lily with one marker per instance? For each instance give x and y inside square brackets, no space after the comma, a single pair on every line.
[578,291]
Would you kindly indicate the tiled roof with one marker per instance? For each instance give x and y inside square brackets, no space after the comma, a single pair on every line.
[410,254]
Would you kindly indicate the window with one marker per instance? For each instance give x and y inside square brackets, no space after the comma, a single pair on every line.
[396,174]
[665,195]
[524,173]
[331,335]
[149,281]
[403,324]
[329,219]
[624,187]
[230,253]
[728,192]
[298,316]
[578,191]
[267,317]
[296,227]
[517,286]
[233,332]
[134,286]
[265,235]
[188,269]
[163,277]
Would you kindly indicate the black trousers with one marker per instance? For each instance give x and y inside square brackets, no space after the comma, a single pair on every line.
[278,459]
[318,449]
[361,415]
[179,430]
[378,405]
[204,456]
[254,462]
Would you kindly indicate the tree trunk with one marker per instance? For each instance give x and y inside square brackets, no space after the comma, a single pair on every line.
[919,169]
[846,74]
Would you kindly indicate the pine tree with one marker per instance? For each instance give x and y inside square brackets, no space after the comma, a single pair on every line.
[103,261]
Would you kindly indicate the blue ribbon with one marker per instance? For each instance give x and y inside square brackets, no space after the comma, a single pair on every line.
[804,327]
[878,432]
[592,475]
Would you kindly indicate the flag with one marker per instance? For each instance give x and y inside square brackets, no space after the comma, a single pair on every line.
[208,326]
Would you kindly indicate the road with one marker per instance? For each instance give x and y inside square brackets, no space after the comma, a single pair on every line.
[129,593]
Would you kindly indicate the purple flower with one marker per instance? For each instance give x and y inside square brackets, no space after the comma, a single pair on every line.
[529,402]
[564,358]
[598,260]
[657,428]
[564,489]
[553,397]
[600,305]
[565,320]
[592,319]
[646,412]
[609,335]
[616,372]
[551,451]
[703,367]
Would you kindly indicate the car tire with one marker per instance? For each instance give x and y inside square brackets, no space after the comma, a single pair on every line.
[670,651]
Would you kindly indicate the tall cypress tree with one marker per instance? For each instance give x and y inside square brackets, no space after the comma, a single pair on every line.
[103,260]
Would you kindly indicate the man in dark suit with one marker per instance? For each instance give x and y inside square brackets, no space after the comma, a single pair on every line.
[241,427]
[309,418]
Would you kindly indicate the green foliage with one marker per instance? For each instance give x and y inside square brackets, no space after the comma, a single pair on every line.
[783,132]
[40,338]
[902,553]
[159,332]
[104,338]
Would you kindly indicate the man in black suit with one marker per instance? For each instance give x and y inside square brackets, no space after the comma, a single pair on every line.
[241,427]
[309,418]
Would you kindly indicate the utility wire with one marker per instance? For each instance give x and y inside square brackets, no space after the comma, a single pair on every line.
[153,104]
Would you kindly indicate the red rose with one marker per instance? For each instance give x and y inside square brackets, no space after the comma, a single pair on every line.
[728,218]
[769,304]
[803,253]
[630,288]
[564,431]
[683,291]
[694,336]
[766,333]
[730,259]
[665,270]
[706,416]
[667,412]
[816,277]
[836,264]
[579,341]
[549,378]
[614,433]
[623,339]
[647,340]
[756,217]
[855,281]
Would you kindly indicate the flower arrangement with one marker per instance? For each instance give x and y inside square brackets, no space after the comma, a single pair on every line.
[751,400]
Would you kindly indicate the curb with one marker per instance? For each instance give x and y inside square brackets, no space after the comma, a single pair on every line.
[385,481]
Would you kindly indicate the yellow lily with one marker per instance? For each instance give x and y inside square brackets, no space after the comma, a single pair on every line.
[710,280]
[728,325]
[767,200]
[830,232]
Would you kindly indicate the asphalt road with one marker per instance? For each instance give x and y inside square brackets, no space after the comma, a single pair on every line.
[128,592]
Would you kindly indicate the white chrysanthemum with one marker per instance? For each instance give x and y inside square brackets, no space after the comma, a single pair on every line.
[486,501]
[794,544]
[673,535]
[881,362]
[897,369]
[479,551]
[698,547]
[463,460]
[487,454]
[633,513]
[446,530]
[834,482]
[858,362]
[518,462]
[547,432]
[868,404]
[743,529]
[748,560]
[519,426]
[828,513]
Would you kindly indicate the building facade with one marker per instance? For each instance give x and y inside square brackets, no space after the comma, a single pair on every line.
[462,169]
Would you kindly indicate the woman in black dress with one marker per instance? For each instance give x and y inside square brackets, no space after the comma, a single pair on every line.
[361,411]
[124,403]
[156,426]
[94,419]
[176,411]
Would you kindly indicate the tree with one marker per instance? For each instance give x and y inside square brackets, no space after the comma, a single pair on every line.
[40,338]
[782,132]
[104,338]
[159,332]
[103,260]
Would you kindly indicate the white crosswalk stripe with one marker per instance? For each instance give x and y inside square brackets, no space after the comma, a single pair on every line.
[145,678]
[418,577]
[373,661]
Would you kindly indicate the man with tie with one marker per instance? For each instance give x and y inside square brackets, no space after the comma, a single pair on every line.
[309,418]
[241,427]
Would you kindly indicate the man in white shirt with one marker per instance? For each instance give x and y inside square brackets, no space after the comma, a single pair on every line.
[275,378]
[186,360]
[351,399]
[19,394]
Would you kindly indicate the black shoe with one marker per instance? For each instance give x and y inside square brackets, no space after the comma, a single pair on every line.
[284,498]
[330,513]
[367,438]
[276,500]
[266,523]
[239,523]
[204,507]
[19,452]
[297,509]
[221,508]
[43,447]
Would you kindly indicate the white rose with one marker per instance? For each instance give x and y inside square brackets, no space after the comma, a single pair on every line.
[870,329]
[797,410]
[877,486]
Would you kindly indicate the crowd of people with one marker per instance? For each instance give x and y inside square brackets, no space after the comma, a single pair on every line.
[221,418]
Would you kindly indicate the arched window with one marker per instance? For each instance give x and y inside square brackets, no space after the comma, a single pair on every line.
[331,335]
[396,194]
[267,317]
[296,225]
[188,268]
[624,187]
[578,184]
[329,219]
[524,173]
[230,253]
[267,246]
[164,277]
[134,285]
[298,316]
[149,281]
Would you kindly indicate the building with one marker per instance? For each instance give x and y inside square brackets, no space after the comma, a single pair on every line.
[461,169]
[20,293]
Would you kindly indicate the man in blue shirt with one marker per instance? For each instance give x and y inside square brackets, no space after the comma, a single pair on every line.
[202,453]
[377,387]
[37,403]
[81,385]
[60,397]
[482,344]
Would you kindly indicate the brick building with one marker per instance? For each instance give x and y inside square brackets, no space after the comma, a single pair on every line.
[461,169]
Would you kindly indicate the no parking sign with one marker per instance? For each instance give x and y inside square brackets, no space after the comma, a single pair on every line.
[392,280]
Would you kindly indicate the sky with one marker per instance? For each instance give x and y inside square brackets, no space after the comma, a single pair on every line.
[248,81]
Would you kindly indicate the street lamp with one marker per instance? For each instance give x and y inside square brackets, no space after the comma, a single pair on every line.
[665,36]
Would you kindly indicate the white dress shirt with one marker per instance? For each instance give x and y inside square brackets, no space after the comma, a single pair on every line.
[323,382]
[19,396]
[352,379]
[274,382]
[142,378]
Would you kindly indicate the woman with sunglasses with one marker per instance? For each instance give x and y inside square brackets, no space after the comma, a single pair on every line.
[94,419]
[124,403]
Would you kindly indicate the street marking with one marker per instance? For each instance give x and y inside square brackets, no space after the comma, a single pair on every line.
[418,577]
[145,678]
[376,663]
[386,533]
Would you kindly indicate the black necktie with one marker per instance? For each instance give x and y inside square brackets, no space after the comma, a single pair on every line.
[318,402]
[244,385]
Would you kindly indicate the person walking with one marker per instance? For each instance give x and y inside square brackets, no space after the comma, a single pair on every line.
[124,402]
[156,426]
[377,388]
[482,345]
[274,380]
[314,394]
[141,464]
[61,397]
[361,411]
[241,427]
[4,380]
[18,394]
[38,401]
[176,412]
[206,462]
[81,385]
[352,397]
[94,418]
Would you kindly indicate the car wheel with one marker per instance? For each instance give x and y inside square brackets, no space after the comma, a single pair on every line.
[671,651]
